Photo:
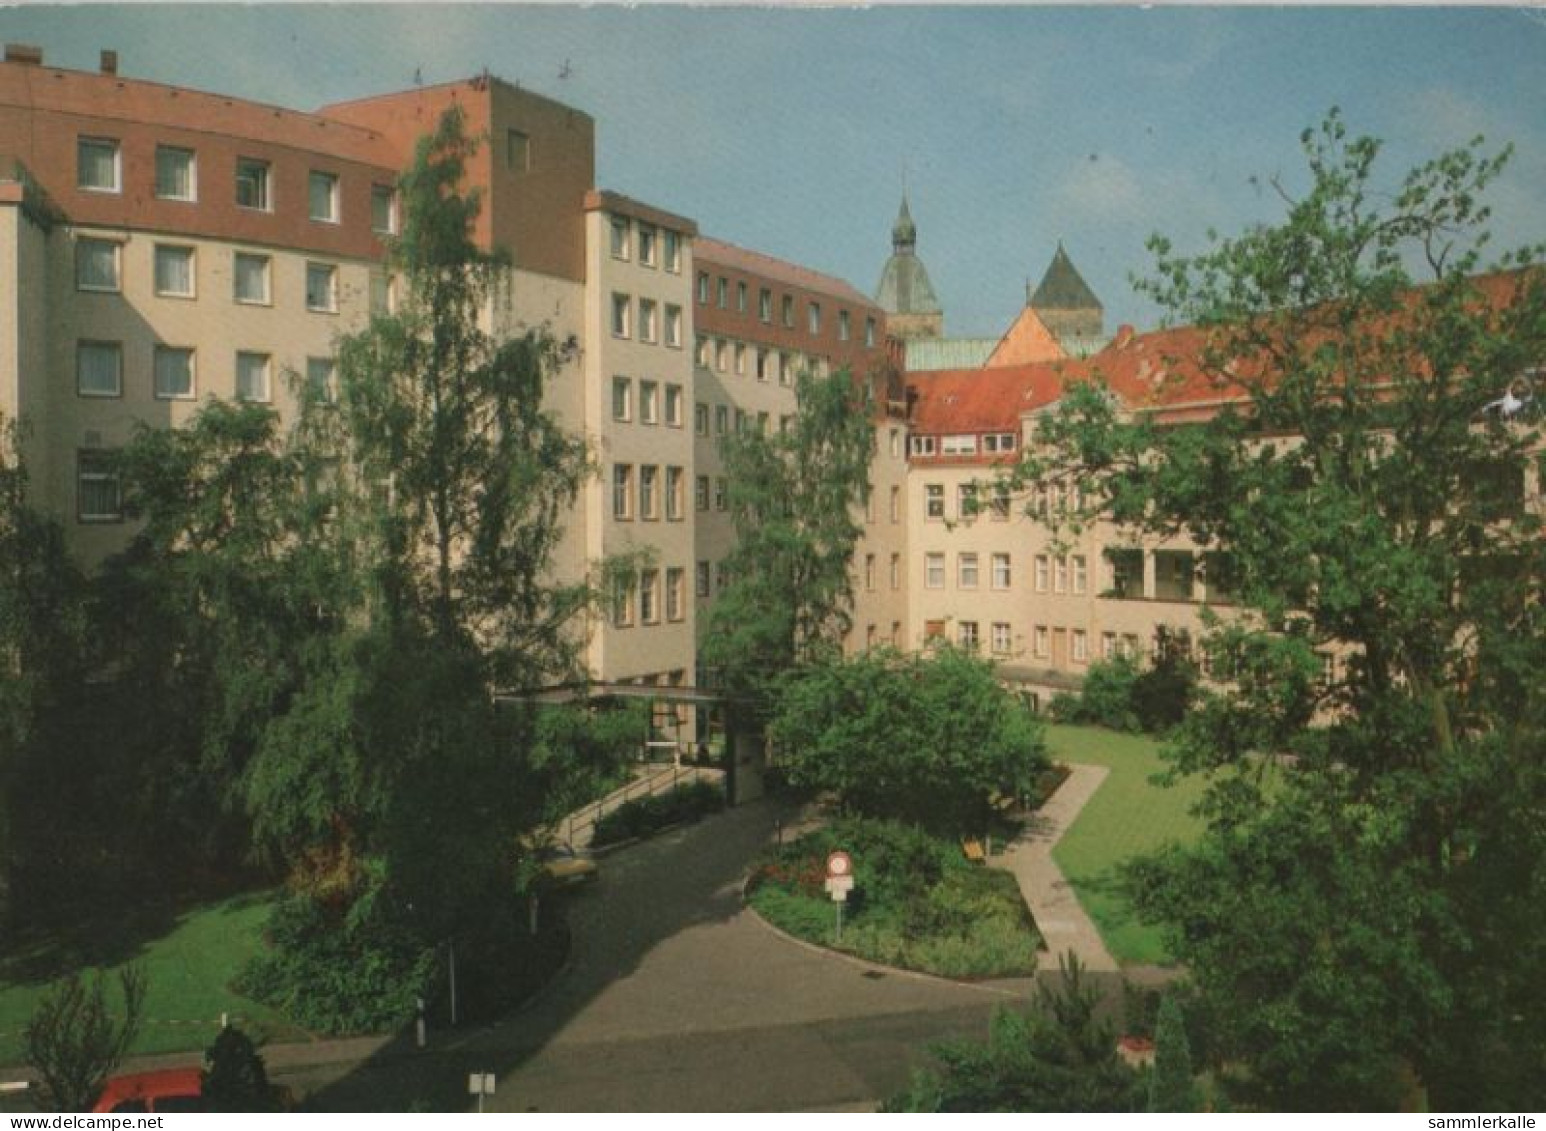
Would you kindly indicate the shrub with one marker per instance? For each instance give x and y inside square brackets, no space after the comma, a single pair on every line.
[75,1043]
[1161,695]
[234,1076]
[646,815]
[1106,698]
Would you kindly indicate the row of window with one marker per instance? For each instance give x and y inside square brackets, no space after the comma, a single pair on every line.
[869,572]
[717,290]
[650,326]
[1063,574]
[646,244]
[99,262]
[99,168]
[965,444]
[99,372]
[1046,499]
[724,355]
[896,506]
[651,486]
[742,421]
[653,593]
[648,408]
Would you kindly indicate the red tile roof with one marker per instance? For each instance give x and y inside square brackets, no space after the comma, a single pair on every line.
[707,250]
[982,400]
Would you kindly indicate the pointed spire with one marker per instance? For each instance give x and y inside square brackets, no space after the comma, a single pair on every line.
[1062,287]
[904,233]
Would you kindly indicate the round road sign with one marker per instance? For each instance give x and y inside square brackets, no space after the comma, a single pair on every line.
[839,864]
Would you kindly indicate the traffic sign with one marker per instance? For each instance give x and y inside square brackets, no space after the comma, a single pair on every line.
[839,863]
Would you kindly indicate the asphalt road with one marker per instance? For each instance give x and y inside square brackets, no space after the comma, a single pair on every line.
[678,999]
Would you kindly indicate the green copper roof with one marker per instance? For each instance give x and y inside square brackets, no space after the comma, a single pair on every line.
[1062,288]
[904,283]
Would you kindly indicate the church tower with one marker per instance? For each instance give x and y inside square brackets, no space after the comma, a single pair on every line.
[905,293]
[1068,307]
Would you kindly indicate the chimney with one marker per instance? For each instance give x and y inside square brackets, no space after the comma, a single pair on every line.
[24,53]
[1124,337]
[109,62]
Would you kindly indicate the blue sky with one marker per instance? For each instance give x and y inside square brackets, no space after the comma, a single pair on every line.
[787,130]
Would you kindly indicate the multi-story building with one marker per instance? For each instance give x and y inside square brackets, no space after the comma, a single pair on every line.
[159,246]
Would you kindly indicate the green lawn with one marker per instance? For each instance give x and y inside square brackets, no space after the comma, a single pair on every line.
[1129,815]
[190,957]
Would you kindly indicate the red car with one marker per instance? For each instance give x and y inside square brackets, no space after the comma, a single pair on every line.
[170,1089]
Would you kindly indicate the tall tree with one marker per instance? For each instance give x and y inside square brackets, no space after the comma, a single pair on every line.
[1370,903]
[794,497]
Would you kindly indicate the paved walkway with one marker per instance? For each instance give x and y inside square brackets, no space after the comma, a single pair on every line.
[1049,895]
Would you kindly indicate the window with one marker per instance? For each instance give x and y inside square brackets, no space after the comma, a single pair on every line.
[647,320]
[673,253]
[176,174]
[765,304]
[252,184]
[1001,571]
[646,245]
[674,494]
[869,333]
[1001,637]
[869,636]
[1060,575]
[896,504]
[674,405]
[649,596]
[1079,646]
[740,359]
[383,209]
[958,446]
[322,288]
[619,237]
[788,312]
[622,310]
[922,445]
[383,293]
[702,353]
[869,573]
[721,493]
[896,443]
[1039,641]
[762,364]
[174,373]
[97,165]
[933,571]
[622,600]
[934,500]
[702,579]
[721,354]
[869,507]
[722,293]
[321,379]
[675,596]
[966,635]
[1108,645]
[998,442]
[762,423]
[703,288]
[674,326]
[843,329]
[896,572]
[721,419]
[252,372]
[99,369]
[998,505]
[622,398]
[174,271]
[721,574]
[701,493]
[622,491]
[813,317]
[649,402]
[700,418]
[966,501]
[966,571]
[322,194]
[649,496]
[517,151]
[251,278]
[1081,574]
[785,369]
[1042,567]
[96,265]
[98,498]
[742,422]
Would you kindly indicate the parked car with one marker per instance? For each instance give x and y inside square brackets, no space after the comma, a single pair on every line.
[169,1089]
[562,866]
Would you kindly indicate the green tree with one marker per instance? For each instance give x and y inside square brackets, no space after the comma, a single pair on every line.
[234,1076]
[74,1042]
[1171,1087]
[794,497]
[1058,1056]
[1331,915]
[929,739]
[42,648]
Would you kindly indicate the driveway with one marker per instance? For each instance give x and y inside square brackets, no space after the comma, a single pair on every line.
[677,998]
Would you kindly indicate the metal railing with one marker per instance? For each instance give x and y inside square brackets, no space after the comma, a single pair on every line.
[582,822]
